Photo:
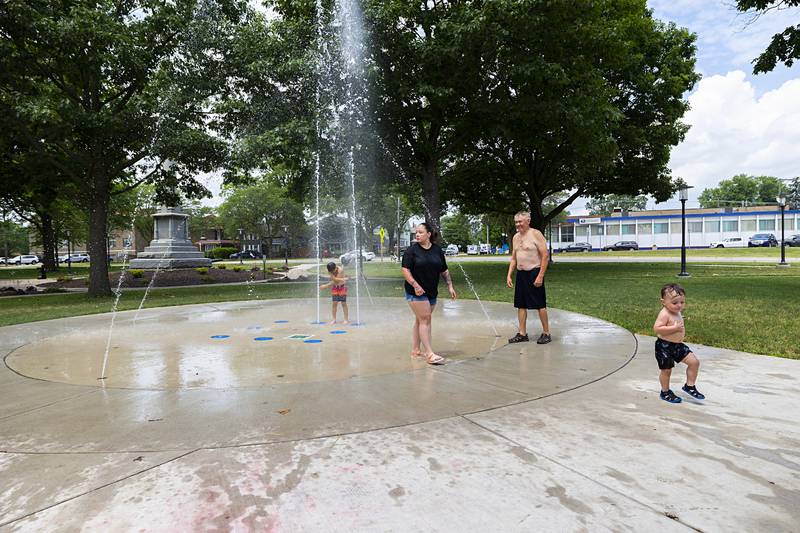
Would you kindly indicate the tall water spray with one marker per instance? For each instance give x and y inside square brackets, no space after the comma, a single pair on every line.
[317,170]
[351,172]
[351,35]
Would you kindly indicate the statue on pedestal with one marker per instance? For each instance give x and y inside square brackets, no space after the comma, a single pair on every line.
[171,246]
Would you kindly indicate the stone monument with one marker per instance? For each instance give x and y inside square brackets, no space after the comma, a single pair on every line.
[171,247]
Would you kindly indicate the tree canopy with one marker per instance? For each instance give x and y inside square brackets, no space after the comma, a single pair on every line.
[784,47]
[261,209]
[741,190]
[108,95]
[576,101]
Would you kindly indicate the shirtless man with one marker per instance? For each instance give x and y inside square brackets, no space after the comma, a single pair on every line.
[529,257]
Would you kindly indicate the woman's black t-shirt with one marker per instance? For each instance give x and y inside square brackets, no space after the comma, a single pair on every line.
[425,266]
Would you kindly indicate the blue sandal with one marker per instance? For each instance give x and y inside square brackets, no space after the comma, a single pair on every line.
[693,392]
[669,396]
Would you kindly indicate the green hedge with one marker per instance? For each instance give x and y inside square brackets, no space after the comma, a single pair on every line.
[223,252]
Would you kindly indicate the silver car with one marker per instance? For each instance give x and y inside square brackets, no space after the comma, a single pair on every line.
[24,260]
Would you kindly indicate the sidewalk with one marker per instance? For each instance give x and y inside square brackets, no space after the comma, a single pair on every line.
[562,437]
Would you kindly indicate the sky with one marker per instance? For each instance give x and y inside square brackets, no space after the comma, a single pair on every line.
[739,122]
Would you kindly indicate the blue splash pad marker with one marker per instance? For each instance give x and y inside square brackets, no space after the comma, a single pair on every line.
[220,336]
[338,332]
[320,322]
[281,322]
[357,324]
[254,328]
[262,339]
[312,341]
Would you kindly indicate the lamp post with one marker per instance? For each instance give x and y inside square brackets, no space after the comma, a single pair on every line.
[285,246]
[782,204]
[550,242]
[69,252]
[241,245]
[683,195]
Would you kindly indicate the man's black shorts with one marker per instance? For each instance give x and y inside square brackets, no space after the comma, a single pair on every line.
[668,353]
[526,295]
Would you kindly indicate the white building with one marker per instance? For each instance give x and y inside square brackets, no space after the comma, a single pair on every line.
[662,228]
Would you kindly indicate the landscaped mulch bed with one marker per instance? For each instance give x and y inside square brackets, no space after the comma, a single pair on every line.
[174,278]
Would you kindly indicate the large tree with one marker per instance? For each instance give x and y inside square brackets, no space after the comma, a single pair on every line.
[117,94]
[425,63]
[262,209]
[741,190]
[785,46]
[580,99]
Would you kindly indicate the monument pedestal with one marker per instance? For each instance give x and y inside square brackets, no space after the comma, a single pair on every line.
[171,247]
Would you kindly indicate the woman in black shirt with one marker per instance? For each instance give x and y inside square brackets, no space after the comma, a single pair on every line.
[423,263]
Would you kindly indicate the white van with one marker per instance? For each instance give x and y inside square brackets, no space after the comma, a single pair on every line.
[452,249]
[472,249]
[484,249]
[729,242]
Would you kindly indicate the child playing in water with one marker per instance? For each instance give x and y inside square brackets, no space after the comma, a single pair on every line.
[669,345]
[338,285]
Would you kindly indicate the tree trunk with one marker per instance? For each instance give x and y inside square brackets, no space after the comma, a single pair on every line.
[99,286]
[430,191]
[49,247]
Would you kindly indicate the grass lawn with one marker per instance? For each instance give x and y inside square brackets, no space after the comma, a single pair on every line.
[749,308]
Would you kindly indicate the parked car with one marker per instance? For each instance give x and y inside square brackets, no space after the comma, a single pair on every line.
[578,247]
[246,254]
[452,249]
[794,240]
[472,249]
[729,242]
[352,255]
[3,260]
[74,258]
[24,260]
[622,245]
[762,239]
[484,249]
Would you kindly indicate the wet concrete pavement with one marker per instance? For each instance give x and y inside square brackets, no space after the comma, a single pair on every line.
[189,432]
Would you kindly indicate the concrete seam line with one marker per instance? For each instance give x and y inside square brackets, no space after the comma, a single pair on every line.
[37,408]
[579,473]
[95,489]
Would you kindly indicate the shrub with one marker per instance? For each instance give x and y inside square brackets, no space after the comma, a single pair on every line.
[222,252]
[237,268]
[136,273]
[203,271]
[255,269]
[222,267]
[64,278]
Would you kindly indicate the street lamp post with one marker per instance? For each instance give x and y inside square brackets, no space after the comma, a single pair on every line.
[69,252]
[550,242]
[285,246]
[683,195]
[241,245]
[782,204]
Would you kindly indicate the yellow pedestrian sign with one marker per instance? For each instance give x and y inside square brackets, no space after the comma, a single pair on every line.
[382,233]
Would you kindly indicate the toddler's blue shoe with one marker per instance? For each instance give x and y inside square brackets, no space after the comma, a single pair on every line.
[669,396]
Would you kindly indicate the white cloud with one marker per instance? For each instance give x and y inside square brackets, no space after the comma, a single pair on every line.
[733,131]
